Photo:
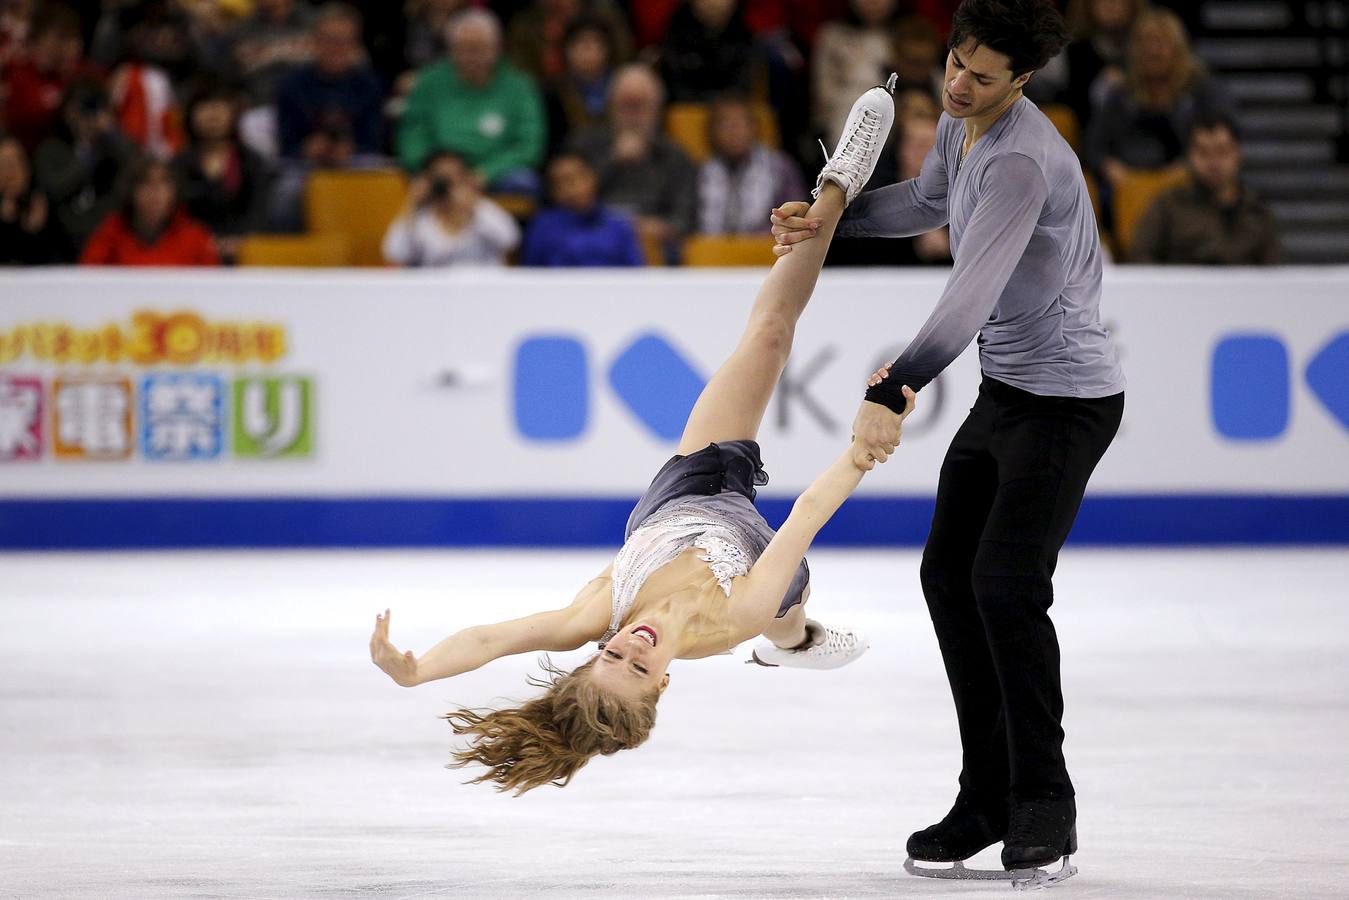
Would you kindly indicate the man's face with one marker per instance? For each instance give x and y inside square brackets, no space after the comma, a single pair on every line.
[474,53]
[978,80]
[635,105]
[336,46]
[1215,158]
[733,131]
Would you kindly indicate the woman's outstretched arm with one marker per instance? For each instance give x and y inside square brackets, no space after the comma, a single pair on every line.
[758,595]
[559,629]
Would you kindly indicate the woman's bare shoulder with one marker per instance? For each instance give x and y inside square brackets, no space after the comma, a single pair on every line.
[592,607]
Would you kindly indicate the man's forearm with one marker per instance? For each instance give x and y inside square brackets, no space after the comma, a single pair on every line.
[894,211]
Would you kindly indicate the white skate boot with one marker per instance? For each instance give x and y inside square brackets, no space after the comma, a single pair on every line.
[860,144]
[825,648]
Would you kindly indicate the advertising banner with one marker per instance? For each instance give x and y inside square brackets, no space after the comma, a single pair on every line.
[510,387]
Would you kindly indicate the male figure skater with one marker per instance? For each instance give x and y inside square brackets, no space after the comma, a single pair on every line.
[1027,280]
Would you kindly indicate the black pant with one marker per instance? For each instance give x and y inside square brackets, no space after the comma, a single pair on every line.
[1010,487]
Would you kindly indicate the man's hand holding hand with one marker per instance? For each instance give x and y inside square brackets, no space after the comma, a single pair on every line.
[877,429]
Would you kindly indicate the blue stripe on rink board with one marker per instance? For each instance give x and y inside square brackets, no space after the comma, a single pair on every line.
[146,523]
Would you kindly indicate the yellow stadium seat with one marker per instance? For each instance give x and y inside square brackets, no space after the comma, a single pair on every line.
[686,125]
[521,206]
[729,250]
[295,250]
[1065,120]
[1134,194]
[359,204]
[653,251]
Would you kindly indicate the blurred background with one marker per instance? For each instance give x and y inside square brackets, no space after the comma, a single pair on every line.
[210,335]
[445,278]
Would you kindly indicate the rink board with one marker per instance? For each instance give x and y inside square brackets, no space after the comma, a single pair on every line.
[255,408]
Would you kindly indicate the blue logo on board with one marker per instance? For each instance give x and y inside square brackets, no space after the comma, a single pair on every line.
[1252,384]
[649,376]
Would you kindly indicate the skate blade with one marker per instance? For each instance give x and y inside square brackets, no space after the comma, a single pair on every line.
[957,872]
[1039,879]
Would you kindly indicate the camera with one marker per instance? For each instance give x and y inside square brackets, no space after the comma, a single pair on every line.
[439,190]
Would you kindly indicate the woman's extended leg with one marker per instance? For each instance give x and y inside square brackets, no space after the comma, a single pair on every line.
[733,403]
[790,630]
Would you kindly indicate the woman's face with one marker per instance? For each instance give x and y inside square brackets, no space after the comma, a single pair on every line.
[1154,51]
[633,662]
[13,167]
[213,120]
[155,198]
[587,55]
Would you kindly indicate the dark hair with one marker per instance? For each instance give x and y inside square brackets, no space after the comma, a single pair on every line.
[1028,32]
[1209,119]
[438,155]
[56,18]
[85,94]
[591,24]
[571,155]
[342,12]
[211,91]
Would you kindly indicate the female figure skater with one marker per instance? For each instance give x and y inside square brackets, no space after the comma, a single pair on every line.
[700,570]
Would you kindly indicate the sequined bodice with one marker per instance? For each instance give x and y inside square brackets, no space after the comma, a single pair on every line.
[726,549]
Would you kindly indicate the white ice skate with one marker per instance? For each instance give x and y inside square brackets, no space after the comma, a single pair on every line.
[860,144]
[826,648]
[1021,879]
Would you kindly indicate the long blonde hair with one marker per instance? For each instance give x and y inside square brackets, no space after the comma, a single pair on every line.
[548,739]
[1186,71]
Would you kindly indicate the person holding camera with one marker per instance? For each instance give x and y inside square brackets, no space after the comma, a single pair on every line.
[448,222]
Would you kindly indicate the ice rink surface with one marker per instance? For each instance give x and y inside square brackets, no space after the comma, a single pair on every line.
[210,725]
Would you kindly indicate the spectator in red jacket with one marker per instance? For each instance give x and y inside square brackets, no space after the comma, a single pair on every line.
[152,228]
[55,58]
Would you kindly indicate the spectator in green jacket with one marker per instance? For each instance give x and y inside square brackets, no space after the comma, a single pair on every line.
[479,107]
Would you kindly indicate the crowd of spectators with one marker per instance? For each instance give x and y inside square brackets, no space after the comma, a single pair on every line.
[141,132]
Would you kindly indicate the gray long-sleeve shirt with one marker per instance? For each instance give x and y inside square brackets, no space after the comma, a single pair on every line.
[1027,274]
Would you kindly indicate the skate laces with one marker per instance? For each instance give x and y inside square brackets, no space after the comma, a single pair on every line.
[859,142]
[838,641]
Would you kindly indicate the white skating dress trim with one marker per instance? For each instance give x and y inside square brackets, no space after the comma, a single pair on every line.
[658,543]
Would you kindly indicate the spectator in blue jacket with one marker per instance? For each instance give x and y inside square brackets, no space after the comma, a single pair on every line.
[578,230]
[329,113]
[330,110]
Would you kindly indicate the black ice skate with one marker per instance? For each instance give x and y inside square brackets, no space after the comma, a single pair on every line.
[1041,832]
[968,828]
